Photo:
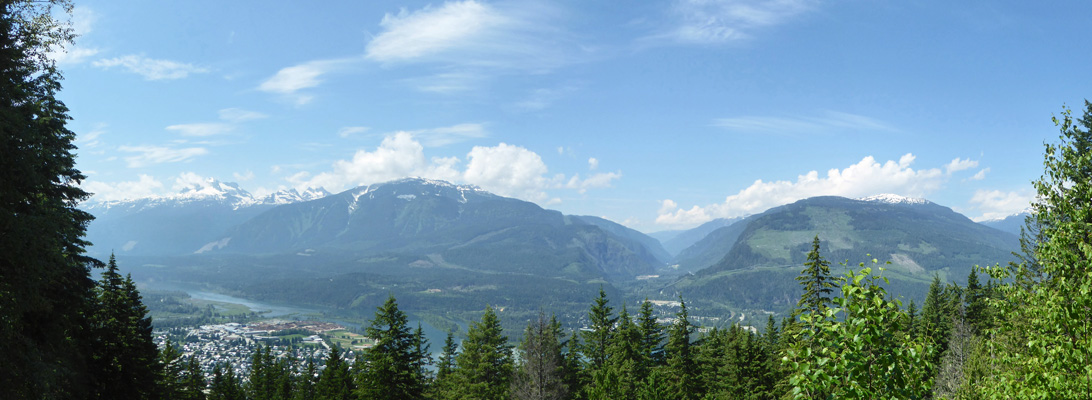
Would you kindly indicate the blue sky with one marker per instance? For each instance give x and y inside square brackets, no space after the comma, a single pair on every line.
[658,115]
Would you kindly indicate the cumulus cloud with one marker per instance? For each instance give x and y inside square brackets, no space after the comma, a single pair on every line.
[593,163]
[151,69]
[243,177]
[994,204]
[144,186]
[150,155]
[865,178]
[960,164]
[720,21]
[504,169]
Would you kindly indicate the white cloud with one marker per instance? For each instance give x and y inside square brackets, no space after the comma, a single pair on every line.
[200,129]
[600,180]
[72,55]
[830,121]
[867,177]
[994,204]
[151,69]
[90,140]
[720,21]
[504,169]
[443,136]
[144,186]
[960,164]
[508,170]
[188,180]
[237,115]
[290,80]
[351,130]
[980,175]
[593,163]
[473,34]
[540,99]
[149,155]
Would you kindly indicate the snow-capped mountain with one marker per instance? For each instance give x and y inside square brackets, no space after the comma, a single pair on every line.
[210,190]
[182,222]
[888,198]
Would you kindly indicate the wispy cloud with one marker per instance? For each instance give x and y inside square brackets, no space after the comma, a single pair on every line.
[831,121]
[289,81]
[471,33]
[237,115]
[200,128]
[151,69]
[351,130]
[443,136]
[720,21]
[540,99]
[149,155]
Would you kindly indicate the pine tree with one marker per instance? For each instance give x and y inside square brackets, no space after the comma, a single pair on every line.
[975,304]
[307,386]
[443,386]
[484,367]
[393,367]
[540,374]
[224,384]
[626,365]
[45,286]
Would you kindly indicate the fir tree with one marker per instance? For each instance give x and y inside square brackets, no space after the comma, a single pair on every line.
[484,367]
[392,368]
[125,359]
[597,338]
[46,292]
[335,382]
[817,281]
[681,367]
[652,336]
[193,382]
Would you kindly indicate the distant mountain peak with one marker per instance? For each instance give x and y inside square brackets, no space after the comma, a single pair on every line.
[889,198]
[289,196]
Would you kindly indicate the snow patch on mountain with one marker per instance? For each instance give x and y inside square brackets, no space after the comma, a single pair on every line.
[889,198]
[212,190]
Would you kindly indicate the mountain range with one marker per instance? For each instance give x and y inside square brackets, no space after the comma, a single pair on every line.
[448,247]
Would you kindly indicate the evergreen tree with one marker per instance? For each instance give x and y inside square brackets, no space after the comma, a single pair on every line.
[484,367]
[193,382]
[171,380]
[626,365]
[912,320]
[681,367]
[45,285]
[392,368]
[975,304]
[597,338]
[307,386]
[443,387]
[817,281]
[540,374]
[335,382]
[224,384]
[575,377]
[652,336]
[125,359]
